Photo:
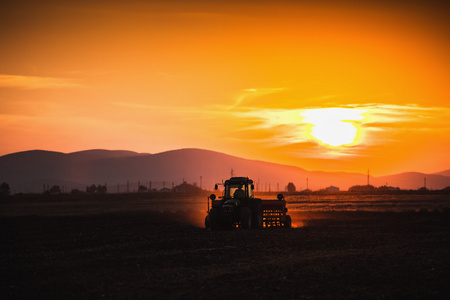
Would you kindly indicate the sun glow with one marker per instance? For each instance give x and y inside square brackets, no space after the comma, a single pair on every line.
[333,126]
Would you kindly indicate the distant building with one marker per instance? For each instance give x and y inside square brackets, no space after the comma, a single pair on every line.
[332,189]
[362,188]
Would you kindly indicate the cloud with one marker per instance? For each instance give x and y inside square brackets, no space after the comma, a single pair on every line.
[291,126]
[254,93]
[385,116]
[36,82]
[373,113]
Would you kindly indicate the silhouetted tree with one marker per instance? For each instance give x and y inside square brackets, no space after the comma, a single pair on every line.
[91,189]
[290,187]
[4,190]
[99,189]
[55,190]
[142,189]
[187,188]
[423,190]
[385,188]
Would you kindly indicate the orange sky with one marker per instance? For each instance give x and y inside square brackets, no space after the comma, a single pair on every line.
[230,76]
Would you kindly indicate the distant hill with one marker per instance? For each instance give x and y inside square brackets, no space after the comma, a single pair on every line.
[414,180]
[443,173]
[30,171]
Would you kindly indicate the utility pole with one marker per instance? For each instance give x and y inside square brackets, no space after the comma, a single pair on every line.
[368,177]
[232,173]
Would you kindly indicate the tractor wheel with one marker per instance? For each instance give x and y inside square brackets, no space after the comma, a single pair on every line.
[257,215]
[288,222]
[246,218]
[207,222]
[214,218]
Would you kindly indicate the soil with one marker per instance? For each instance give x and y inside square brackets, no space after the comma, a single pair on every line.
[133,254]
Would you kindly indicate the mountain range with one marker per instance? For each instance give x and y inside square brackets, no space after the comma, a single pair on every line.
[35,170]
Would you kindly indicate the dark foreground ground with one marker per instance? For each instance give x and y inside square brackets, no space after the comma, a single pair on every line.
[156,255]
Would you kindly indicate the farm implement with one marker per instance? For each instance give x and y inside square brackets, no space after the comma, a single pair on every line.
[238,207]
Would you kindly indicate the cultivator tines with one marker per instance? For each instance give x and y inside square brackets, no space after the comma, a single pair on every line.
[272,217]
[274,212]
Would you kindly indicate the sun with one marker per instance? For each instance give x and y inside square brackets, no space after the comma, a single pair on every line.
[334,133]
[333,126]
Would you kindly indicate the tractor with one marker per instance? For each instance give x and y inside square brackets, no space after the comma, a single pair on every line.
[238,208]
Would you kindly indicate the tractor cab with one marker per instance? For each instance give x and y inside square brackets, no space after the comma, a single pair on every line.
[238,188]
